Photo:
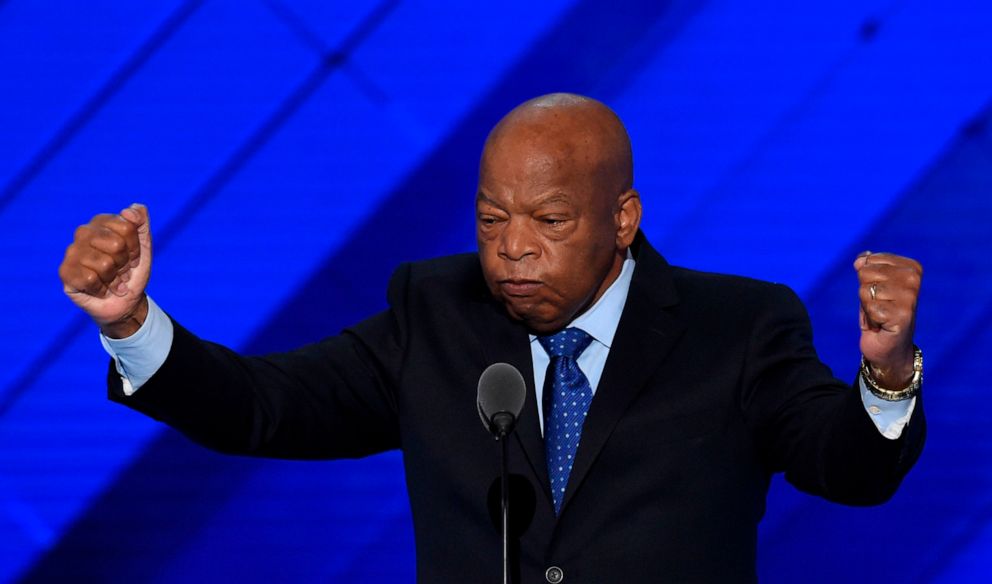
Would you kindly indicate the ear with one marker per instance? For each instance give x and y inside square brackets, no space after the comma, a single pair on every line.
[628,217]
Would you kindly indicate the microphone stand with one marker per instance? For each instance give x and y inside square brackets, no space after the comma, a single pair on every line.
[504,493]
[503,422]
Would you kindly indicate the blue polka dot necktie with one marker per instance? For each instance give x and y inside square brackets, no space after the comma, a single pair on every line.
[567,395]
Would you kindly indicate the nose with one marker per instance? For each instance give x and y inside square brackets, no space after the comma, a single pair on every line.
[516,241]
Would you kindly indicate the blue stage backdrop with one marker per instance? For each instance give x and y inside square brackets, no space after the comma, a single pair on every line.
[293,152]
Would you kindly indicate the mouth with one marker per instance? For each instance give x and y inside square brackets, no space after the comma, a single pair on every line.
[519,287]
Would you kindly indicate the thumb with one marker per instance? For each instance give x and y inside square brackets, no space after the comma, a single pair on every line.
[137,214]
[862,260]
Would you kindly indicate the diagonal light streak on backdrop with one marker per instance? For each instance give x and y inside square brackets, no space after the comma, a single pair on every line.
[328,63]
[90,107]
[788,120]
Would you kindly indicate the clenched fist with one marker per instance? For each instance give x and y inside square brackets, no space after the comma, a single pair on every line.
[106,269]
[889,289]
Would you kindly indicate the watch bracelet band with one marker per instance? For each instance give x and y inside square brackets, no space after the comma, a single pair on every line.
[895,395]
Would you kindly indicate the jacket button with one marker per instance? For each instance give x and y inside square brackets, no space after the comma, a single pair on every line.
[554,575]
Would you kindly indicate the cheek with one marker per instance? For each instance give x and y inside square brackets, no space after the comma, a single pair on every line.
[580,269]
[571,270]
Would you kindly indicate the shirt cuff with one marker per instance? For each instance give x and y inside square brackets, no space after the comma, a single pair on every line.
[140,355]
[890,417]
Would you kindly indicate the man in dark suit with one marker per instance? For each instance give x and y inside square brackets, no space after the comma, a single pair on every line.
[660,400]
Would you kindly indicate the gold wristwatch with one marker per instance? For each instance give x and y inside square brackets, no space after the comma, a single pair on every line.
[895,395]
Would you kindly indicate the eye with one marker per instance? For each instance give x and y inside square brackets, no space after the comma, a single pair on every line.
[487,219]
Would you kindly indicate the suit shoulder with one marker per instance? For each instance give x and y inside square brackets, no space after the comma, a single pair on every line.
[450,265]
[730,289]
[455,274]
[463,268]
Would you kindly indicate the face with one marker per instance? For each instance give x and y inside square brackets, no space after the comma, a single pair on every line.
[549,237]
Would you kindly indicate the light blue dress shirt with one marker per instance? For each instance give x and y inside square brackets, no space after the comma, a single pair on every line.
[139,356]
[600,321]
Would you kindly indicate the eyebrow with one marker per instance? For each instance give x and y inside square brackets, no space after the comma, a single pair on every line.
[480,197]
[558,197]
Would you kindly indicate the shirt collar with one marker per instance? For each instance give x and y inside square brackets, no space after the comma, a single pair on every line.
[602,319]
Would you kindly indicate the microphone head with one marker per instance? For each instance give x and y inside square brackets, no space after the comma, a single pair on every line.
[501,397]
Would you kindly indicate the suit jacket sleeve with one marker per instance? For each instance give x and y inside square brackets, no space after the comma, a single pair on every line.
[812,426]
[331,399]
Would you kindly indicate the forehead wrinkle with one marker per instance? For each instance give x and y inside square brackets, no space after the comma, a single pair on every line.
[552,198]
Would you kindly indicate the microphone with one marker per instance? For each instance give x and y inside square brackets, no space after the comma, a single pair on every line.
[501,398]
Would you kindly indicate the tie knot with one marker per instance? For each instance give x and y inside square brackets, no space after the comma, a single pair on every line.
[567,343]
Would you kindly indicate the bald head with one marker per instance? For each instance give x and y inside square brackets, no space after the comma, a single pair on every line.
[555,209]
[568,132]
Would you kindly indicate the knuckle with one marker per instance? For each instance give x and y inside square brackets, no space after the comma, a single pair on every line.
[82,232]
[127,228]
[119,259]
[101,221]
[89,280]
[115,244]
[105,264]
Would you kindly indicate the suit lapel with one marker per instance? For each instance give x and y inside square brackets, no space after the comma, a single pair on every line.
[506,341]
[649,328]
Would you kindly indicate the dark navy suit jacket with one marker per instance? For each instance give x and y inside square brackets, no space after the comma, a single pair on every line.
[712,384]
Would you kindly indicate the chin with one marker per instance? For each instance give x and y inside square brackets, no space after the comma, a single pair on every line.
[545,328]
[535,317]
